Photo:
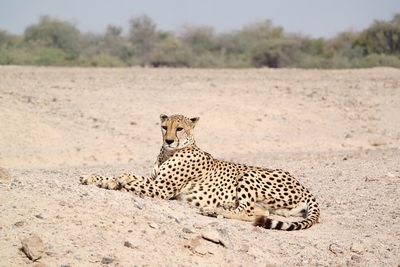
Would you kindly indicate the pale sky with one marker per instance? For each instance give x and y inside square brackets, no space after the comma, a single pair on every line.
[316,18]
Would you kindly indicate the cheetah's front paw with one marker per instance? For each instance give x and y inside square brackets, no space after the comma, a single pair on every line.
[87,179]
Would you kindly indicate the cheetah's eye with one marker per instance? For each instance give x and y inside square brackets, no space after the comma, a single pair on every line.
[179,129]
[164,127]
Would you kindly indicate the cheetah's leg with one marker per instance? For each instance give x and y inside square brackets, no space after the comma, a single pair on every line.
[246,210]
[143,186]
[112,183]
[299,211]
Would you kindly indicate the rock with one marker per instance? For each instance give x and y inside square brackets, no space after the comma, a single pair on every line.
[357,247]
[187,230]
[370,179]
[153,225]
[129,245]
[336,249]
[356,258]
[377,142]
[213,236]
[198,226]
[39,216]
[348,136]
[33,247]
[19,223]
[107,260]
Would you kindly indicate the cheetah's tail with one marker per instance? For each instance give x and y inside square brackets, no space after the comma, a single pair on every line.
[311,219]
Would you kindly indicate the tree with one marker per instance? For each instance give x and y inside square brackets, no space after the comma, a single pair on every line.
[54,33]
[383,37]
[142,36]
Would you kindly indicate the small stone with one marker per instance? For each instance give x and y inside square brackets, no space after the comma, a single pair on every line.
[356,258]
[336,249]
[153,225]
[19,223]
[39,216]
[138,205]
[198,226]
[33,247]
[187,230]
[129,245]
[107,260]
[370,179]
[213,236]
[357,247]
[377,142]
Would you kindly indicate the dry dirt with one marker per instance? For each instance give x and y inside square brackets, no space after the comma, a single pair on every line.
[337,131]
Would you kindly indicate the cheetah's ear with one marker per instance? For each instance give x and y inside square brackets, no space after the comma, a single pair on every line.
[163,117]
[194,120]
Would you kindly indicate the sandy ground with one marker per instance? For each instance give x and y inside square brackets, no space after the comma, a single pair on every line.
[337,131]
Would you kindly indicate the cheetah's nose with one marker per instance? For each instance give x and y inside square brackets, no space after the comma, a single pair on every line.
[169,141]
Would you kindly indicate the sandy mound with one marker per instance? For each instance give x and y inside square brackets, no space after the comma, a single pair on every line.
[338,131]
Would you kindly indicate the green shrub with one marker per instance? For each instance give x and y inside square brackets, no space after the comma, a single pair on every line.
[379,60]
[101,60]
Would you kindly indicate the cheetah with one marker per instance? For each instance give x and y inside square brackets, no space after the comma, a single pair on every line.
[217,188]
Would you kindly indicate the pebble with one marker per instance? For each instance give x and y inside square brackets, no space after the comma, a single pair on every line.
[377,142]
[39,216]
[33,247]
[213,236]
[357,247]
[187,230]
[336,249]
[356,258]
[198,226]
[19,223]
[153,225]
[129,245]
[107,260]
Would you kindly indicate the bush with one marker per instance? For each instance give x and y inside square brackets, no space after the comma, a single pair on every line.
[54,33]
[276,53]
[379,60]
[55,42]
[101,60]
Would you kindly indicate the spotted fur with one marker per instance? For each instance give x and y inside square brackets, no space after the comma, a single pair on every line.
[237,191]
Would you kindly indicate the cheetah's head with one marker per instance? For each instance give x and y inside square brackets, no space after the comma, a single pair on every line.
[177,131]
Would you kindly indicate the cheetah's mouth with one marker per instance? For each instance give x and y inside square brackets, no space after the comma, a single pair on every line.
[173,146]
